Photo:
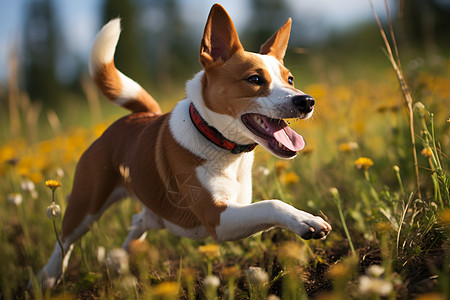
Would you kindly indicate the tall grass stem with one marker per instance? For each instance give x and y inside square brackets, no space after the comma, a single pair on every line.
[337,198]
[404,87]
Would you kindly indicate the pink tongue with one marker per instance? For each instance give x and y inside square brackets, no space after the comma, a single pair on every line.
[289,138]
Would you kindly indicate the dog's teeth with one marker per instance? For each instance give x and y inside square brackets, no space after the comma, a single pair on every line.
[260,122]
[280,145]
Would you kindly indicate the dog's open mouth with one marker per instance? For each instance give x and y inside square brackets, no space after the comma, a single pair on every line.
[276,135]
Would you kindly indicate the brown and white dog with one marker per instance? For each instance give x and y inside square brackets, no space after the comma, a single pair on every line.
[191,168]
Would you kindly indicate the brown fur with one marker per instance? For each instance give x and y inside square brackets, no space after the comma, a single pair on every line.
[277,44]
[226,91]
[108,81]
[143,144]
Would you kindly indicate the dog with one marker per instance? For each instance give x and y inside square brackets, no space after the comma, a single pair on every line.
[191,168]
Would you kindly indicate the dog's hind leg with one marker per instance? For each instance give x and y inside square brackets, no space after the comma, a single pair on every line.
[140,223]
[96,186]
[49,276]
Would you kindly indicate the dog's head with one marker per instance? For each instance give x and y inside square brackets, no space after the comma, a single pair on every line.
[247,94]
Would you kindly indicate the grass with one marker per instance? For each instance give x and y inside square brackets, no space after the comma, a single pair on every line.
[388,240]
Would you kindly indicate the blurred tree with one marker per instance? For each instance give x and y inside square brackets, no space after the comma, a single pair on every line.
[41,44]
[168,42]
[425,24]
[266,17]
[129,54]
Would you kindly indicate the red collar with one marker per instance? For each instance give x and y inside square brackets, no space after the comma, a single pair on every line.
[214,136]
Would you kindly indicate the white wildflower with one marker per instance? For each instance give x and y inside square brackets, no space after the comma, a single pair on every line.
[60,173]
[118,261]
[128,282]
[27,186]
[263,171]
[101,253]
[378,286]
[211,282]
[53,211]
[14,198]
[375,270]
[257,276]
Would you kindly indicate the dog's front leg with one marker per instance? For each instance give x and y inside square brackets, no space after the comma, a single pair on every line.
[238,221]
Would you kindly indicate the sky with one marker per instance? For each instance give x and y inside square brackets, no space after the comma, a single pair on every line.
[80,19]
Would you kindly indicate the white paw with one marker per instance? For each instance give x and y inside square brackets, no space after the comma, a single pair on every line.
[314,228]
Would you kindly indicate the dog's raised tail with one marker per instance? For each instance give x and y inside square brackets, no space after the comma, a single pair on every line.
[116,86]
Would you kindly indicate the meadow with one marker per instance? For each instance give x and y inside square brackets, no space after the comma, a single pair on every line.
[390,215]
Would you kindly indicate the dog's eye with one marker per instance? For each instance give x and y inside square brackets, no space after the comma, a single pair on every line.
[255,79]
[291,80]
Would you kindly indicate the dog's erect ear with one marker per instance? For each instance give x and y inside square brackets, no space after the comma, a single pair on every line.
[220,39]
[277,44]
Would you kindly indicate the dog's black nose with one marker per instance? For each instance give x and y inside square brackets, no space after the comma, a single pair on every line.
[304,103]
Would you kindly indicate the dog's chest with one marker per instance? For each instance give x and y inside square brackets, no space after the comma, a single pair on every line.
[228,179]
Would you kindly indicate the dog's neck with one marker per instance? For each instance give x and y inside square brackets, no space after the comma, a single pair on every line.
[214,136]
[188,136]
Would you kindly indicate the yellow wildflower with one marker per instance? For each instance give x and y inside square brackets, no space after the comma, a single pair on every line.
[231,272]
[338,271]
[166,289]
[348,147]
[6,153]
[280,166]
[383,227]
[363,163]
[426,152]
[36,177]
[52,184]
[448,120]
[210,250]
[290,178]
[445,217]
[290,251]
[430,296]
[46,147]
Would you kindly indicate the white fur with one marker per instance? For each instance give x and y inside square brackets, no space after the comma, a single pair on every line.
[104,46]
[227,176]
[147,220]
[240,221]
[280,94]
[103,53]
[130,89]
